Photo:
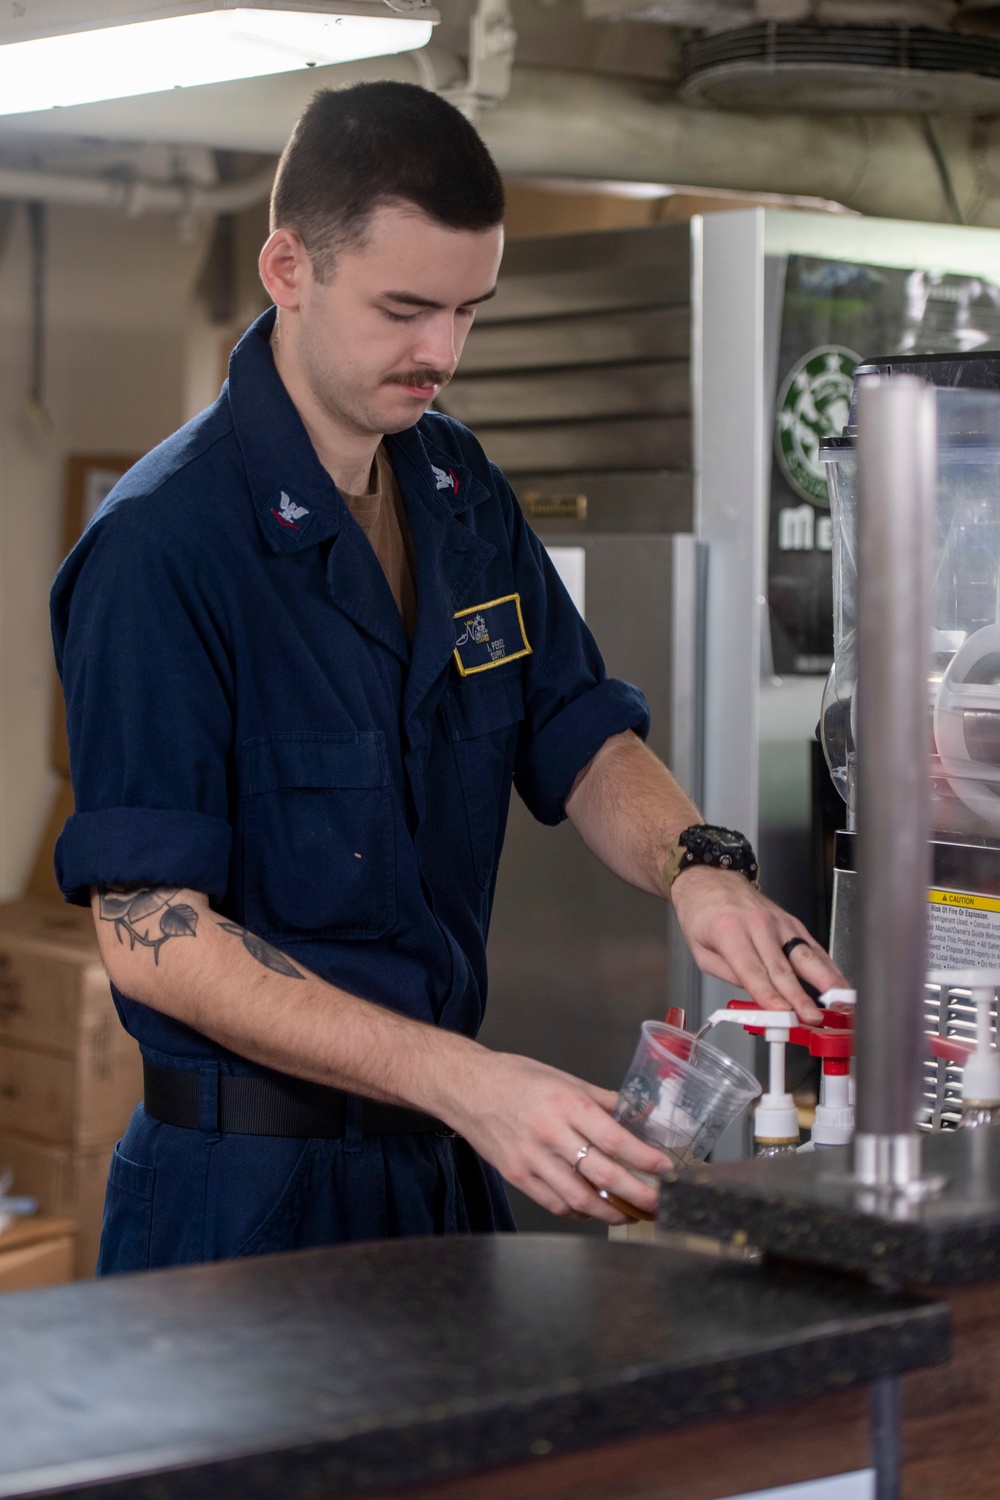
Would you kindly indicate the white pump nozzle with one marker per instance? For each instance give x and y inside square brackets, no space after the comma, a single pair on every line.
[981,1075]
[834,1121]
[776,1118]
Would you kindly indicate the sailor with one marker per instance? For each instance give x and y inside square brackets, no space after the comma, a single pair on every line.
[307,646]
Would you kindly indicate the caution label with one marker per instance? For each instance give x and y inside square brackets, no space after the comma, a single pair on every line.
[964,930]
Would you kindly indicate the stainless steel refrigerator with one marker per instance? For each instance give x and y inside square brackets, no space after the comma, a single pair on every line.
[577,381]
[577,958]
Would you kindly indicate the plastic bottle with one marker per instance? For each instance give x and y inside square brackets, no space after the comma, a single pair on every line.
[974,1114]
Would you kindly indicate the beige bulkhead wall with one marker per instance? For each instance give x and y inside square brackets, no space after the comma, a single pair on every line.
[118,298]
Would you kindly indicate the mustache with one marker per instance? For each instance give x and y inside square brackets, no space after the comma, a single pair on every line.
[424,376]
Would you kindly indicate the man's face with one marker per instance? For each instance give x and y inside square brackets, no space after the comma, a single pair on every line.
[381,337]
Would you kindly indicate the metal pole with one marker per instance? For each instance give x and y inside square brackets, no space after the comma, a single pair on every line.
[896,496]
[886,1422]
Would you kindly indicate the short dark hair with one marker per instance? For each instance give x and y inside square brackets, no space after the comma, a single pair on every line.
[357,148]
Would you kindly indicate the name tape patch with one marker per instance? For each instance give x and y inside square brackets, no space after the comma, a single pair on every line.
[487,635]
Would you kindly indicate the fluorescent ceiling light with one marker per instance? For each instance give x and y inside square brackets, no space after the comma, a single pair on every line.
[147,56]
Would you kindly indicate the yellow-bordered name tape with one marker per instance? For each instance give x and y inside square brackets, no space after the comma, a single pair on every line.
[487,635]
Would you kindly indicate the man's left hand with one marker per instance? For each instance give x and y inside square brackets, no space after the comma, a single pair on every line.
[737,935]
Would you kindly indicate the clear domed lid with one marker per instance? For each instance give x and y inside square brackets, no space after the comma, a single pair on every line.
[964,653]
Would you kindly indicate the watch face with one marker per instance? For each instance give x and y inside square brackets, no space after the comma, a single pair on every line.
[723,847]
[725,838]
[722,839]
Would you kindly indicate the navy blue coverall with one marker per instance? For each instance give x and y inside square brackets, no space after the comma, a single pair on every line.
[247,719]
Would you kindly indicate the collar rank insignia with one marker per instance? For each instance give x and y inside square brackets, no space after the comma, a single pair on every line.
[288,513]
[286,520]
[444,480]
[487,635]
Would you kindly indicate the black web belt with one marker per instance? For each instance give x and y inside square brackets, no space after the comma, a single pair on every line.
[274,1106]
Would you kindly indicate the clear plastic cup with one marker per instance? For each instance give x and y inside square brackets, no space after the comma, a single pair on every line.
[681,1093]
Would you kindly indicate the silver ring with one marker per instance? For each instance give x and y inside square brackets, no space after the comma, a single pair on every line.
[579,1157]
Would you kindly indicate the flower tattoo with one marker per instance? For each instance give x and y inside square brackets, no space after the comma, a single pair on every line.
[148,915]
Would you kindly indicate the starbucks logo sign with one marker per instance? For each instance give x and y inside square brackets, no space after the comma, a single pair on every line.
[813,404]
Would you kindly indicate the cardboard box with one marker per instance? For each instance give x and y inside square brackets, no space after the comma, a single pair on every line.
[68,1071]
[36,1252]
[52,981]
[69,1184]
[85,1099]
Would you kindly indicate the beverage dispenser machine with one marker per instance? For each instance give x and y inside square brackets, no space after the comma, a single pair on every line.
[963,696]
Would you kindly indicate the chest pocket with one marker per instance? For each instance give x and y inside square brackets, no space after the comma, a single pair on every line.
[483,716]
[319,853]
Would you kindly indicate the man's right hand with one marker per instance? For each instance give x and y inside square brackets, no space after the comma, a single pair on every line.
[532,1121]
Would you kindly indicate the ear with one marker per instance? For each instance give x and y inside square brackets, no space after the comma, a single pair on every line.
[285,269]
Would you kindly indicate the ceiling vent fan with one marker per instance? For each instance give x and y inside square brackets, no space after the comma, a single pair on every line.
[926,57]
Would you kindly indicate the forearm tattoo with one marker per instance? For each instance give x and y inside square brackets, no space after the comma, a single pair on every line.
[150,915]
[271,958]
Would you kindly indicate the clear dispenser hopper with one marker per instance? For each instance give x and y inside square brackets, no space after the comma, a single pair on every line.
[963,684]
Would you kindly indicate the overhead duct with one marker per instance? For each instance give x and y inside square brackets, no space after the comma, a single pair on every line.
[135,197]
[569,125]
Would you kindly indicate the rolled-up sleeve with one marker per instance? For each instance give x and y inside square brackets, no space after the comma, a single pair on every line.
[140,643]
[571,705]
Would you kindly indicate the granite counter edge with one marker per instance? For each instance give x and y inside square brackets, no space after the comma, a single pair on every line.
[639,1403]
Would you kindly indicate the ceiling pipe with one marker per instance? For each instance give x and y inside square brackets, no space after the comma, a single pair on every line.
[133,197]
[574,125]
[562,124]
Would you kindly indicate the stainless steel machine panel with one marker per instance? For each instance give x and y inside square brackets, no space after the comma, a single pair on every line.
[577,958]
[619,501]
[556,447]
[627,268]
[661,386]
[576,379]
[591,339]
[580,365]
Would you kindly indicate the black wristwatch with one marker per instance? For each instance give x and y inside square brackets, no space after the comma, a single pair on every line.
[704,844]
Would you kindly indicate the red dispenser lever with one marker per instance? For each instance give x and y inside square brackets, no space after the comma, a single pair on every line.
[833,1042]
[950,1049]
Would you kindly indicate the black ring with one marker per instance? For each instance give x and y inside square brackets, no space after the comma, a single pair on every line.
[788,949]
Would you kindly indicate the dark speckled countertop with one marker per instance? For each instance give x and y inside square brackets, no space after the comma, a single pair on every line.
[335,1372]
[806,1208]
